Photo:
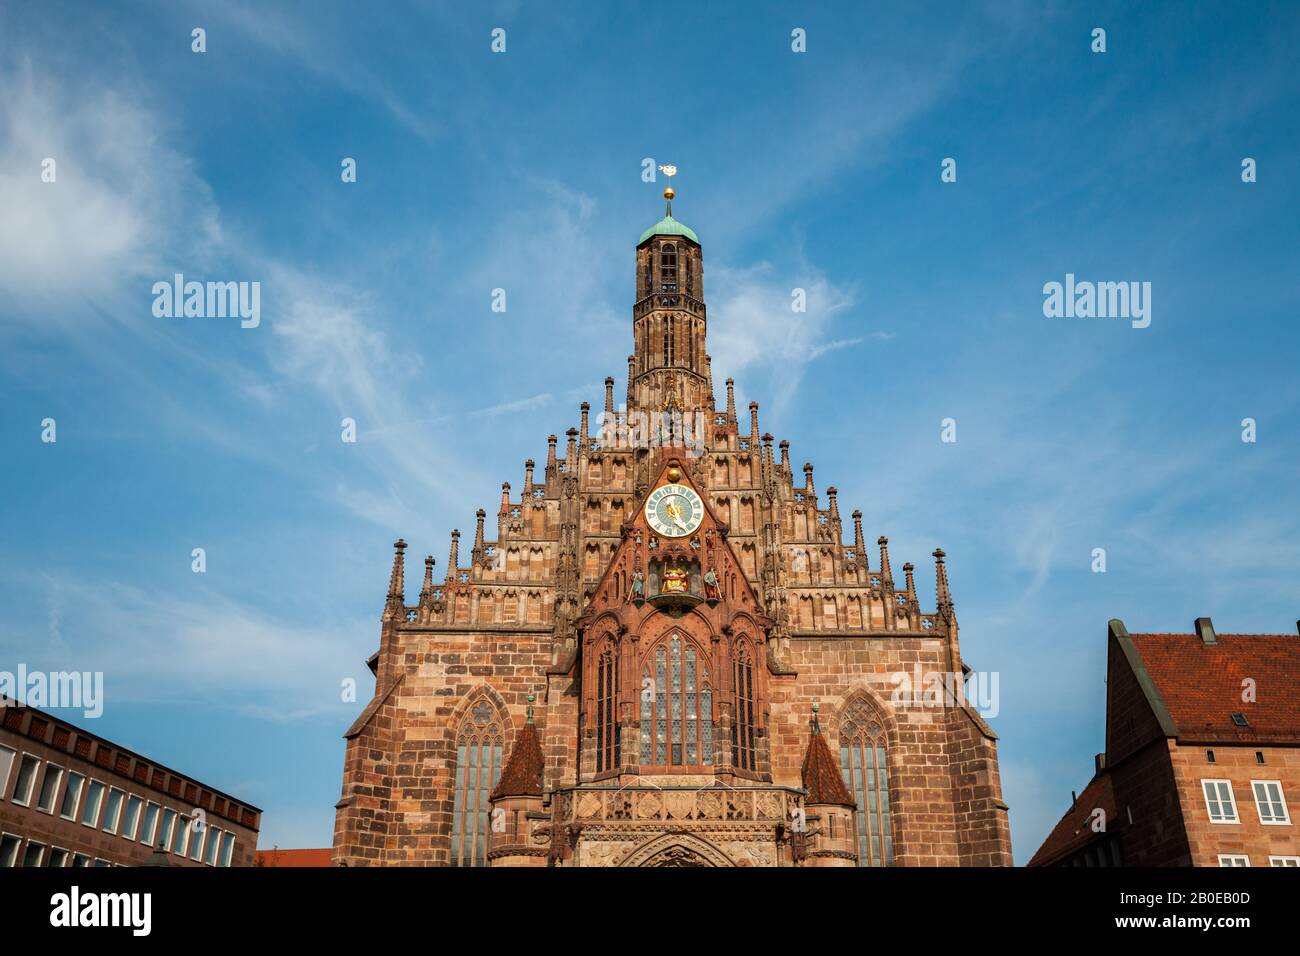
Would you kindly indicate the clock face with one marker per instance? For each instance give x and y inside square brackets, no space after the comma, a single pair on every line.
[674,511]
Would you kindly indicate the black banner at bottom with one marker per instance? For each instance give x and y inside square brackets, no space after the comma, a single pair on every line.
[584,906]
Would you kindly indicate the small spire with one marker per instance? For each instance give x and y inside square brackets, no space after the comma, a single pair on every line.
[397,580]
[582,433]
[808,489]
[911,583]
[834,508]
[631,374]
[941,584]
[571,451]
[609,398]
[785,455]
[426,592]
[823,781]
[886,573]
[858,548]
[753,419]
[453,561]
[525,768]
[478,529]
[731,399]
[528,478]
[505,497]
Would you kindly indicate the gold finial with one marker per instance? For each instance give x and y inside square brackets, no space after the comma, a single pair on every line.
[670,171]
[674,474]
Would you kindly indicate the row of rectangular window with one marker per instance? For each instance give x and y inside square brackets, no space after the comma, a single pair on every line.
[125,814]
[1270,804]
[1239,859]
[35,854]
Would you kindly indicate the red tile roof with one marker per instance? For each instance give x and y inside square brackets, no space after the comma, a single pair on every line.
[1074,831]
[293,858]
[821,775]
[522,776]
[1202,685]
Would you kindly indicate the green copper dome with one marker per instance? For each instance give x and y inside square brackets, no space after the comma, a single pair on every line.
[668,226]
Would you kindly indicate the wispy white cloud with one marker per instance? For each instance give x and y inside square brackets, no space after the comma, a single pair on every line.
[754,329]
[160,645]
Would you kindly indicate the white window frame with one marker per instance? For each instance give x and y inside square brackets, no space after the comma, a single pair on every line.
[1284,861]
[117,817]
[58,788]
[26,801]
[227,849]
[81,788]
[212,848]
[81,866]
[170,836]
[18,842]
[196,852]
[8,771]
[40,860]
[99,807]
[139,812]
[49,854]
[1230,859]
[147,839]
[1285,821]
[1231,802]
[182,846]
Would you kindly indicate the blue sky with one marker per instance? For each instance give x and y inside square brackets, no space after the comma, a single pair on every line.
[523,171]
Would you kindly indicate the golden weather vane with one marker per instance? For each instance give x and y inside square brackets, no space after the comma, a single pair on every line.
[669,170]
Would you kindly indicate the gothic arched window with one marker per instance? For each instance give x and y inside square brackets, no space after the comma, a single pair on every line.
[676,707]
[608,754]
[668,267]
[864,763]
[670,345]
[742,726]
[479,744]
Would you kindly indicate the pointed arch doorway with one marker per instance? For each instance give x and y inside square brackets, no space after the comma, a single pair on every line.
[677,850]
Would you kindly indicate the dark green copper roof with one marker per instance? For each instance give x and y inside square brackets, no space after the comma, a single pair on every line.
[668,226]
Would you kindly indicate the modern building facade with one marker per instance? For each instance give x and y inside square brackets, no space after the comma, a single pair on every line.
[69,798]
[667,654]
[1202,761]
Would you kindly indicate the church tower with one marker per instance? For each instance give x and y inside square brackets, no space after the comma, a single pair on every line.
[670,366]
[667,653]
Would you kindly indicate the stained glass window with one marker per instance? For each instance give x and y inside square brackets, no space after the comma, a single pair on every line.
[865,767]
[742,727]
[479,745]
[676,707]
[607,727]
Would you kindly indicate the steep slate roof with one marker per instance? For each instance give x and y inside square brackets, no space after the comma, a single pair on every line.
[821,774]
[522,776]
[1074,830]
[1201,685]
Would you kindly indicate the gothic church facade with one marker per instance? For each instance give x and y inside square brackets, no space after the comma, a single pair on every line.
[667,655]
